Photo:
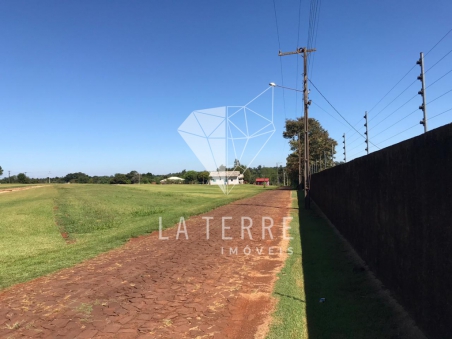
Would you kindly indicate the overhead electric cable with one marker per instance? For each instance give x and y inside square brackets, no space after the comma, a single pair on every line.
[280,61]
[337,110]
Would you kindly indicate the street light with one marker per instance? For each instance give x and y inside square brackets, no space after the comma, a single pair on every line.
[272,84]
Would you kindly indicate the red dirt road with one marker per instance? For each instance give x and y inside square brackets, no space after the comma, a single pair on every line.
[153,288]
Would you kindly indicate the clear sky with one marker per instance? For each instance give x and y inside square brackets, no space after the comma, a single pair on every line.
[102,86]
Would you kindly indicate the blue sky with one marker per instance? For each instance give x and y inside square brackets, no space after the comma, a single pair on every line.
[102,86]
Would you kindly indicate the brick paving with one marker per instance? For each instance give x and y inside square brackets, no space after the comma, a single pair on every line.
[153,288]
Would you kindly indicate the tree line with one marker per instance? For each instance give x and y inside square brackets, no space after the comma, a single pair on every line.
[134,177]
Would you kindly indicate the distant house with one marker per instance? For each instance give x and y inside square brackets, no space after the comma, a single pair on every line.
[262,181]
[172,180]
[225,178]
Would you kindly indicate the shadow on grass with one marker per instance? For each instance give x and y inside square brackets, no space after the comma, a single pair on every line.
[353,306]
[289,296]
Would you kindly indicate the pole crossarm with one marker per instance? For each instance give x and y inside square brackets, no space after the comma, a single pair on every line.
[300,50]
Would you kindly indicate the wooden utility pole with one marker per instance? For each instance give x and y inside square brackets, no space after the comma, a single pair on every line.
[304,51]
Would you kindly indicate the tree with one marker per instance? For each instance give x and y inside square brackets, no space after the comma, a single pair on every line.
[78,177]
[319,142]
[22,178]
[119,179]
[1,170]
[247,176]
[191,176]
[203,176]
[222,168]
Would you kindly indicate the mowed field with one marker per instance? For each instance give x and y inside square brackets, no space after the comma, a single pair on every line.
[55,226]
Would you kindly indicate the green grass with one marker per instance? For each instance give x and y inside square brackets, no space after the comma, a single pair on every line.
[323,268]
[96,217]
[289,319]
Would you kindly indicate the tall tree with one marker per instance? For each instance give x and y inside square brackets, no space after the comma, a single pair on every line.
[319,142]
[22,178]
[1,170]
[191,176]
[203,176]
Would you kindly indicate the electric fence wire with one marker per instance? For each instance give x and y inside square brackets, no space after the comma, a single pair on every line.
[436,63]
[393,100]
[373,127]
[396,84]
[280,61]
[431,49]
[409,114]
[339,113]
[434,82]
[435,116]
[406,74]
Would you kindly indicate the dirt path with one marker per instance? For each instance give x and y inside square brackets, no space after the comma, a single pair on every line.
[152,288]
[15,189]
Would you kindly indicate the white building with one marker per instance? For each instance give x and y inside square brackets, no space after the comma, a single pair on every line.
[225,178]
[172,180]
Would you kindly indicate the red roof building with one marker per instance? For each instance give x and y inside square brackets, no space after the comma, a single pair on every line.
[262,181]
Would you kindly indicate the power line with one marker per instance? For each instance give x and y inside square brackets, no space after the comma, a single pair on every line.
[280,61]
[313,27]
[338,111]
[328,113]
[298,40]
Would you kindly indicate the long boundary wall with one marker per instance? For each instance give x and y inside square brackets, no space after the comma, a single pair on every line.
[395,207]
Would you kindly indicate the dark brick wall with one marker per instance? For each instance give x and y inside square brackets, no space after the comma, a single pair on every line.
[395,208]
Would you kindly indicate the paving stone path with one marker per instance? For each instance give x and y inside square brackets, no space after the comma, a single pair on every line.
[153,288]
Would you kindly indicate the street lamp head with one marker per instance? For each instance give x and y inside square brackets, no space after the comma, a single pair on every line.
[272,84]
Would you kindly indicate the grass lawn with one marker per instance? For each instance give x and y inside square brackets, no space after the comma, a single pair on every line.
[322,267]
[289,319]
[97,217]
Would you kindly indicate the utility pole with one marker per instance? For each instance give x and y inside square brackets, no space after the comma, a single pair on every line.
[423,107]
[299,159]
[9,176]
[345,150]
[332,155]
[49,177]
[304,51]
[366,133]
